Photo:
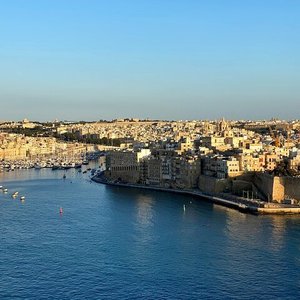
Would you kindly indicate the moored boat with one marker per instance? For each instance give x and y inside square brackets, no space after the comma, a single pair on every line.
[15,194]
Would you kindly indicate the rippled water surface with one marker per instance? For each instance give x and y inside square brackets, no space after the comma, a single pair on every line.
[120,243]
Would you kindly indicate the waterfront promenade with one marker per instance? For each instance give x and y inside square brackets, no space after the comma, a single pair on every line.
[241,204]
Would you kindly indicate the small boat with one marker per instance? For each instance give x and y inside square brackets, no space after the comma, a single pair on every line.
[61,210]
[5,190]
[22,198]
[15,194]
[85,162]
[64,177]
[84,172]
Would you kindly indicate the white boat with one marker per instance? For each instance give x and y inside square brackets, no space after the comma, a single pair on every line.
[5,190]
[15,194]
[22,198]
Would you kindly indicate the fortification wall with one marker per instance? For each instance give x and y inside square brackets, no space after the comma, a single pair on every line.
[213,185]
[292,187]
[272,187]
[278,189]
[264,183]
[238,186]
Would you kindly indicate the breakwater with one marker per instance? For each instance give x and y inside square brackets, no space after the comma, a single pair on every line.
[242,205]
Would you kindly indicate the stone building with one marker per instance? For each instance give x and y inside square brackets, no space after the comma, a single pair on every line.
[125,165]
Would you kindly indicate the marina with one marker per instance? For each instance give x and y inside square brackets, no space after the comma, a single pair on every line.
[54,162]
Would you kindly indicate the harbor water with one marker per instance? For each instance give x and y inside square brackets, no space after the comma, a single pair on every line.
[75,239]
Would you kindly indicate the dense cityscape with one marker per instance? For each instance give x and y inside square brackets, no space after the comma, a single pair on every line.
[251,163]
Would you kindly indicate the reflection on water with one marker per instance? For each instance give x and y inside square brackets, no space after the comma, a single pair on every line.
[278,230]
[249,228]
[144,213]
[116,243]
[243,227]
[143,233]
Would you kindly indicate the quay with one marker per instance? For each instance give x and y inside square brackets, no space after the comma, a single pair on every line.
[242,206]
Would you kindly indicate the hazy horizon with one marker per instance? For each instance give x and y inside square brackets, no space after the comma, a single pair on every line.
[149,119]
[91,60]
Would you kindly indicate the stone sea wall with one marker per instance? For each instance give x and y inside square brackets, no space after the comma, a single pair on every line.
[292,187]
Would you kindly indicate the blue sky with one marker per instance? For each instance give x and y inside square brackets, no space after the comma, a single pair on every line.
[166,59]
